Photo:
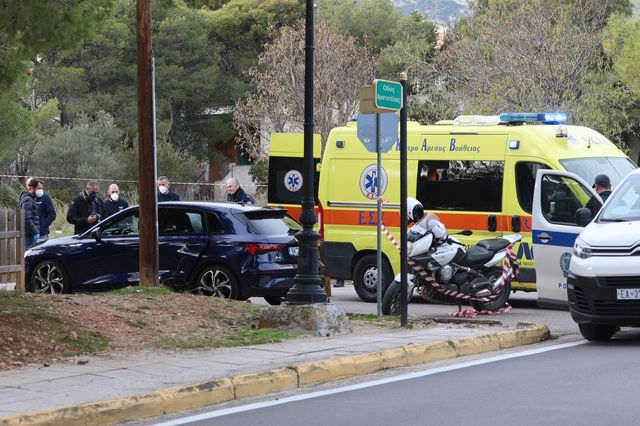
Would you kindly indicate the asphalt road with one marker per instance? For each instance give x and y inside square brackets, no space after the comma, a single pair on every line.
[524,306]
[576,383]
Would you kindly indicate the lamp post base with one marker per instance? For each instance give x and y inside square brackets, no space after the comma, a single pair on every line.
[306,290]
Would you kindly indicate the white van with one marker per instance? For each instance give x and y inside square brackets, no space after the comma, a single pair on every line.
[595,269]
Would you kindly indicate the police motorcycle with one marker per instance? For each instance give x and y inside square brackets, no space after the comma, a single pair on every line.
[439,263]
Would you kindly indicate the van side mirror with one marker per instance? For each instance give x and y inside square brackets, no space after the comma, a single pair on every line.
[583,216]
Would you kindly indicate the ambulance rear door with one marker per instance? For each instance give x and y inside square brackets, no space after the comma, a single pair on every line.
[286,171]
[557,196]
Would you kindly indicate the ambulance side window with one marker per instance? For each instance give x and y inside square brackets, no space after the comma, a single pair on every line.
[525,181]
[458,185]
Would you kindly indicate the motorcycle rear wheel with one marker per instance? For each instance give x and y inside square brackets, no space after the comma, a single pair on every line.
[391,300]
[500,300]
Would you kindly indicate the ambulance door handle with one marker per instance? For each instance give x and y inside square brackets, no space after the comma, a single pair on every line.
[492,223]
[544,237]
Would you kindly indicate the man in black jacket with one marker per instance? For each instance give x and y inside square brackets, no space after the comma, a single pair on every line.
[164,190]
[602,185]
[114,202]
[236,194]
[86,208]
[29,210]
[46,211]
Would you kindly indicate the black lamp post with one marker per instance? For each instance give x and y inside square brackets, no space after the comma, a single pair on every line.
[306,289]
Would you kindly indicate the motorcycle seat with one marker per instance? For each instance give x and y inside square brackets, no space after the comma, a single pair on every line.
[494,244]
[476,256]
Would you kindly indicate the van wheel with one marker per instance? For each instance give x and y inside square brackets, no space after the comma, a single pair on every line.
[365,277]
[597,332]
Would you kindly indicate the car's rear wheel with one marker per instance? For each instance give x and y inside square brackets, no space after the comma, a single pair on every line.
[50,277]
[218,281]
[365,277]
[597,332]
[273,300]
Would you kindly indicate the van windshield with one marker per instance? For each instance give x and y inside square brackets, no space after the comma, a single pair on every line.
[624,203]
[587,168]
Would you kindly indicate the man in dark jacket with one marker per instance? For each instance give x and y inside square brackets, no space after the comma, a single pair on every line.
[29,210]
[115,202]
[46,211]
[236,194]
[164,191]
[602,185]
[86,208]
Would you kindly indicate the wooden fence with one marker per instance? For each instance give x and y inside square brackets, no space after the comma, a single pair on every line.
[11,250]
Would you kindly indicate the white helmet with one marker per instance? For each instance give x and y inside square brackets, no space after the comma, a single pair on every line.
[415,211]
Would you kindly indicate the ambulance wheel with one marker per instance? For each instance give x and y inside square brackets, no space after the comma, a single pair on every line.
[502,297]
[365,277]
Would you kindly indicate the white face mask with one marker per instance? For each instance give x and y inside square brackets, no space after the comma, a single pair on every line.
[39,192]
[163,189]
[114,196]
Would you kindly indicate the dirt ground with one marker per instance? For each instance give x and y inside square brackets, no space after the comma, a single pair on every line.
[44,329]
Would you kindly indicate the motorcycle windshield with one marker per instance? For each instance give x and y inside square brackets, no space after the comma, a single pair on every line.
[428,222]
[425,226]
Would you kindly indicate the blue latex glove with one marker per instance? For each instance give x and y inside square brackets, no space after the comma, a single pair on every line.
[36,237]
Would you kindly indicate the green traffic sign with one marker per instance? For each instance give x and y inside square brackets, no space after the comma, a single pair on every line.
[388,94]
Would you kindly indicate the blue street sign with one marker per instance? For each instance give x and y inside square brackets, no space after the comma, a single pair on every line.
[388,130]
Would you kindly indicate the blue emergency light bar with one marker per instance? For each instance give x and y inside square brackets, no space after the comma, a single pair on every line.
[533,117]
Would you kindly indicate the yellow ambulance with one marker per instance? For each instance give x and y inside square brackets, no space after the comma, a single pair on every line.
[474,172]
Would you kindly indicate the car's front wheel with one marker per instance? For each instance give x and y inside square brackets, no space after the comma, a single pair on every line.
[218,281]
[49,276]
[597,332]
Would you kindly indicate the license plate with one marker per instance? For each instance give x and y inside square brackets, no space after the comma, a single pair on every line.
[628,293]
[293,251]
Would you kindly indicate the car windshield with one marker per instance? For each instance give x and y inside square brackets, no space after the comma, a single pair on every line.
[587,168]
[624,202]
[271,222]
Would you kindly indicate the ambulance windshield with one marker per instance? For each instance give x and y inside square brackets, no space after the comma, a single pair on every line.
[587,168]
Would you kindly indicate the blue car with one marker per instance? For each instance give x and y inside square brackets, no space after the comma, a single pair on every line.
[217,249]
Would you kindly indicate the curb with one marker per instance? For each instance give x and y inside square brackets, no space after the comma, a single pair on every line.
[181,398]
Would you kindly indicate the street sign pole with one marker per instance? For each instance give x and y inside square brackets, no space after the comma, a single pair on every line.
[403,203]
[380,99]
[379,285]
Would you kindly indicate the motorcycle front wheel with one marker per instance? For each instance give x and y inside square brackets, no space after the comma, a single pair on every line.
[502,297]
[391,300]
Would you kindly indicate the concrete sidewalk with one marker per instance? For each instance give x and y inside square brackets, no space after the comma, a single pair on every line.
[107,390]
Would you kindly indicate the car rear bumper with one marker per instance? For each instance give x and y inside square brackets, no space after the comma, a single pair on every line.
[594,300]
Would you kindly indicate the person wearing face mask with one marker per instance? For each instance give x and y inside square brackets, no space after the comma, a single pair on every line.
[164,191]
[115,202]
[46,211]
[86,208]
[29,210]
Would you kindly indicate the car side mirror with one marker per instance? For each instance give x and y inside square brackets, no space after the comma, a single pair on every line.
[96,234]
[583,216]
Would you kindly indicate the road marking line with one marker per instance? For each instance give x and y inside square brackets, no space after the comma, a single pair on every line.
[408,376]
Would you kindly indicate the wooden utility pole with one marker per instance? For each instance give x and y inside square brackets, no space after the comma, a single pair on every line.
[146,149]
